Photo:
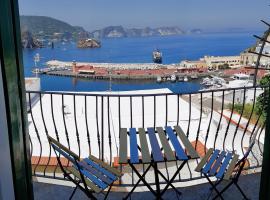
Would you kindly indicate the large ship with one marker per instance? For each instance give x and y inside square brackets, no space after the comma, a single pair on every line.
[157,56]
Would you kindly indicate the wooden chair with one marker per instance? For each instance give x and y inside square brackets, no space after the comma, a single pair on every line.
[224,166]
[90,174]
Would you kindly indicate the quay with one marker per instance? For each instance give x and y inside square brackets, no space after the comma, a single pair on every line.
[122,71]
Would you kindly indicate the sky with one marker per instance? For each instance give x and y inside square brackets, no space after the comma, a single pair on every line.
[208,15]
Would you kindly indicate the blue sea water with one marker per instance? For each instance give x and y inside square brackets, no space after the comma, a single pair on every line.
[136,50]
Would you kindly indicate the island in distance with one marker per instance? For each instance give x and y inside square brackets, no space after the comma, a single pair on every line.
[37,29]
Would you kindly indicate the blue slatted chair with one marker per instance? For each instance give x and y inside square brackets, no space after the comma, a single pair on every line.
[91,175]
[224,166]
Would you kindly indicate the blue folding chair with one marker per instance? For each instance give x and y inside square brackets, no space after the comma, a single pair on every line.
[91,175]
[224,166]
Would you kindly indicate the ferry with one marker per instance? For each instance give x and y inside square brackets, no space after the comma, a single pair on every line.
[157,56]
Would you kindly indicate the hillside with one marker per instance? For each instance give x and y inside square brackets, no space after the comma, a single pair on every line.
[119,31]
[47,26]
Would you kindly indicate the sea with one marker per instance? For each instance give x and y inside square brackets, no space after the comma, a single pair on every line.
[135,50]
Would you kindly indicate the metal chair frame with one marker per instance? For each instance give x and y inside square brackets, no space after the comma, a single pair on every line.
[80,183]
[239,166]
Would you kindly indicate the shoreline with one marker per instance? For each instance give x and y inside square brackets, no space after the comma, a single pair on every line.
[123,71]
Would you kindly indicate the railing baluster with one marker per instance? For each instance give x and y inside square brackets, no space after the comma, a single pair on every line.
[237,126]
[155,112]
[102,128]
[36,131]
[251,113]
[189,117]
[97,124]
[64,121]
[200,120]
[76,126]
[143,111]
[119,129]
[178,109]
[109,128]
[55,129]
[210,121]
[86,124]
[230,119]
[46,132]
[221,115]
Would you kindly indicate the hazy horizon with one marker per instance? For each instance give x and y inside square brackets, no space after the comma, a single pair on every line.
[209,15]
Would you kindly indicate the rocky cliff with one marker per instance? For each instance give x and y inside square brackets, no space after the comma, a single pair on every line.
[119,31]
[28,41]
[88,43]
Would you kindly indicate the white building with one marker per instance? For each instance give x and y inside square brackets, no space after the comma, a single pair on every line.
[218,61]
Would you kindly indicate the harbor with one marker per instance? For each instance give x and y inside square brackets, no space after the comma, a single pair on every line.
[123,71]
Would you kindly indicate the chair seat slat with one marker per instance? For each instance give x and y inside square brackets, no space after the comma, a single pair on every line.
[166,146]
[178,148]
[93,178]
[231,167]
[204,160]
[95,172]
[224,165]
[98,167]
[157,155]
[105,165]
[217,163]
[146,158]
[123,146]
[212,159]
[192,152]
[134,156]
[76,173]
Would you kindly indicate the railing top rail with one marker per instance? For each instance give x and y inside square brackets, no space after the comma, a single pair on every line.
[144,95]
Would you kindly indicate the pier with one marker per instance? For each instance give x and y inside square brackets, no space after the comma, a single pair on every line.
[122,71]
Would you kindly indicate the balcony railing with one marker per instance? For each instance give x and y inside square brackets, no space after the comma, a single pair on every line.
[89,123]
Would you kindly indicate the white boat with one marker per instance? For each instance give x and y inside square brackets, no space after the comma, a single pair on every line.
[159,79]
[194,76]
[173,78]
[180,79]
[185,78]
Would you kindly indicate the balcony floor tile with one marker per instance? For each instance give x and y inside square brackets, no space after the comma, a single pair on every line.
[249,183]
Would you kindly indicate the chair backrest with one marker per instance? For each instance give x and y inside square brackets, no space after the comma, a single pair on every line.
[64,151]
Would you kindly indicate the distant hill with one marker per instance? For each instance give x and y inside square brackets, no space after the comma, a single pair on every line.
[49,27]
[119,31]
[42,27]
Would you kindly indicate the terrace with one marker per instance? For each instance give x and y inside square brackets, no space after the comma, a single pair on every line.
[91,122]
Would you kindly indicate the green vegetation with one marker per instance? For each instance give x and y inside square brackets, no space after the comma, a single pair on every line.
[247,111]
[260,107]
[47,27]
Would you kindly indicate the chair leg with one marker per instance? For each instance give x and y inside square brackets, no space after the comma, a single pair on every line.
[214,187]
[106,196]
[238,187]
[72,194]
[223,190]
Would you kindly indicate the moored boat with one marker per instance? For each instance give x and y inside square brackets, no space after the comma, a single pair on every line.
[159,79]
[173,78]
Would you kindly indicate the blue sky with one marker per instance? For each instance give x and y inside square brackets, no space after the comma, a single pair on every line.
[209,15]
